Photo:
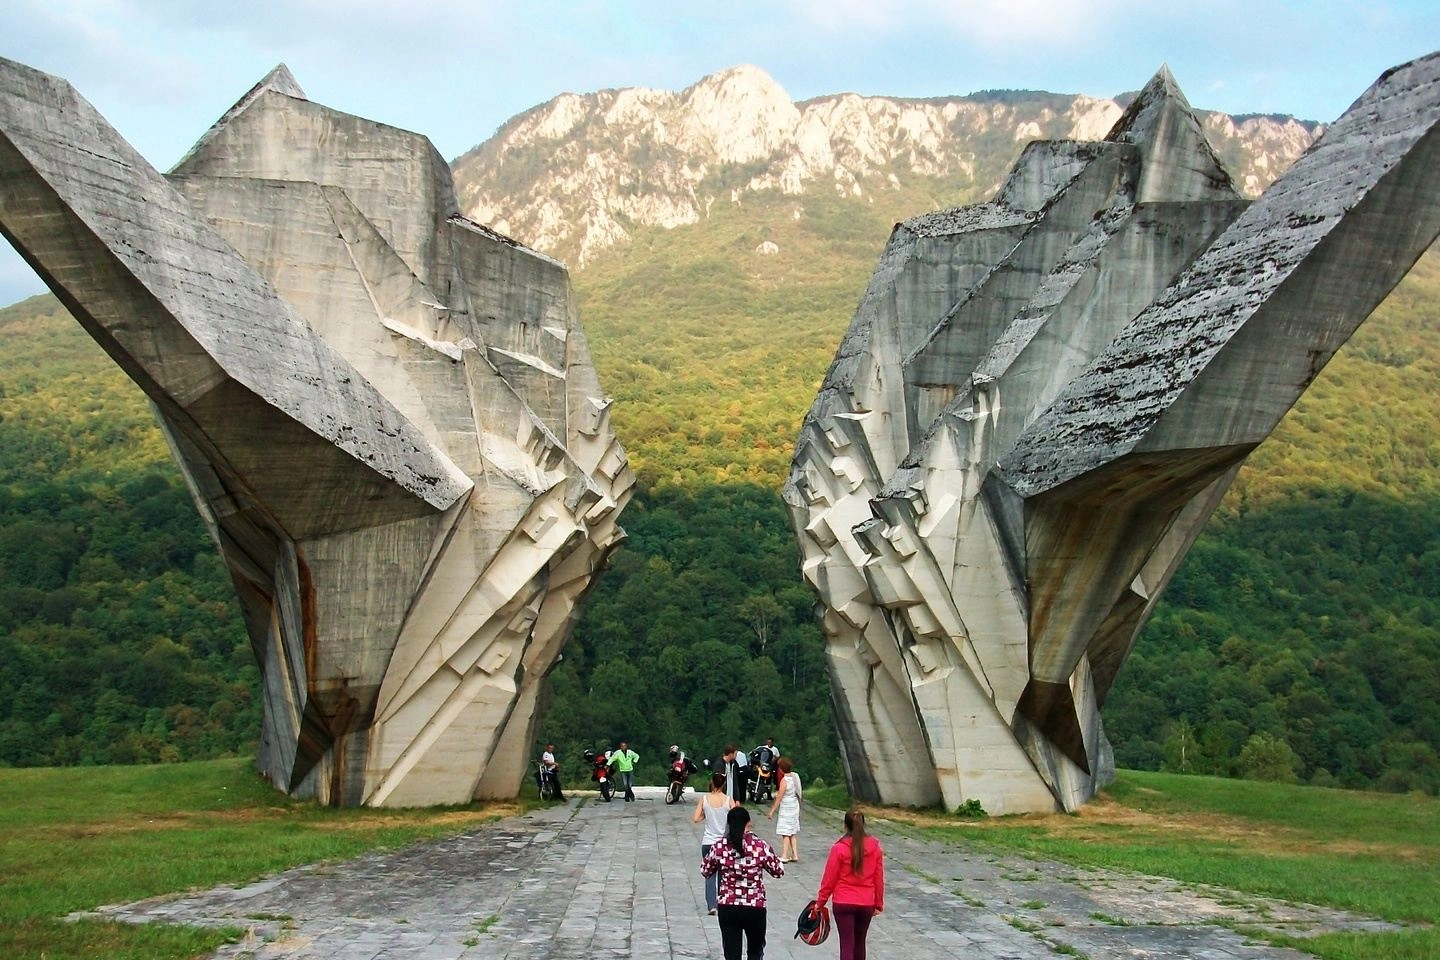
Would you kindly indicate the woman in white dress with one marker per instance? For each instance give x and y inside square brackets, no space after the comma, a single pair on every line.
[787,801]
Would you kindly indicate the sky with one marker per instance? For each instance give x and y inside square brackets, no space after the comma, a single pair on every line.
[161,71]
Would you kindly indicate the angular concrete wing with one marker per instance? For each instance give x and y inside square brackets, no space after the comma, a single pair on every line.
[387,416]
[989,511]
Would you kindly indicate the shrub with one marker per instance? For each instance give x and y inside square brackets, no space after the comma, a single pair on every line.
[971,810]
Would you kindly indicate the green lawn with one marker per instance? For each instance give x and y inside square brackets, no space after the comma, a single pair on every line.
[73,839]
[77,838]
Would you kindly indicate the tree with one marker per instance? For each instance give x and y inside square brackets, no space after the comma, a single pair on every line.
[1181,747]
[762,613]
[1267,757]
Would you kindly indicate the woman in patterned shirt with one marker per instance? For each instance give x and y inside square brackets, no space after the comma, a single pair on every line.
[741,859]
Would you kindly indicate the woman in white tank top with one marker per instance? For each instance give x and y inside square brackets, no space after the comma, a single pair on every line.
[712,809]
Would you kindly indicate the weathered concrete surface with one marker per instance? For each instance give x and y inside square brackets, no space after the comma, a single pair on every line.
[387,415]
[1041,400]
[590,879]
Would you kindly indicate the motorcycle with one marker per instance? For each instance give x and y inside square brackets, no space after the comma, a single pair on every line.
[761,785]
[601,773]
[681,767]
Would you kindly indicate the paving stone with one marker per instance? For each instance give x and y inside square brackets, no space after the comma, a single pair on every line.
[593,880]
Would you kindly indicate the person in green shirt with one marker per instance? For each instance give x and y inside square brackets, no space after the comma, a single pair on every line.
[624,760]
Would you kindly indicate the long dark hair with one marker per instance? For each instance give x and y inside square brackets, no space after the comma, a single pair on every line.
[855,828]
[717,781]
[735,822]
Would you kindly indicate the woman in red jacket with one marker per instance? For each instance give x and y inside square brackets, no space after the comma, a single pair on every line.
[855,876]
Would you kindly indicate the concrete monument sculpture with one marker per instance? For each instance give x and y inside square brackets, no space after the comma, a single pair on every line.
[386,413]
[1040,401]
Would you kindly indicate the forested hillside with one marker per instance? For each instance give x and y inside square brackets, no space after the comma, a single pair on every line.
[1305,618]
[120,640]
[1301,637]
[1309,612]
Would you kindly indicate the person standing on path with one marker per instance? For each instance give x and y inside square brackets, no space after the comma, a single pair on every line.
[787,801]
[712,809]
[624,760]
[732,764]
[552,767]
[855,877]
[741,859]
[774,761]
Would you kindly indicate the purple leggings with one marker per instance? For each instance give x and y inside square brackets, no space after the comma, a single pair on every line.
[852,922]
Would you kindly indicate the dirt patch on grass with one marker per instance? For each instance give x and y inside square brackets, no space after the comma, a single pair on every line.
[1105,819]
[457,818]
[317,818]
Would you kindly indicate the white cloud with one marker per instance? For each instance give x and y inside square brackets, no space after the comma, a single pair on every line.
[454,70]
[377,34]
[90,43]
[852,16]
[995,26]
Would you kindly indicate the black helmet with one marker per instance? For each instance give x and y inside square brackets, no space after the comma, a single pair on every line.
[589,754]
[813,929]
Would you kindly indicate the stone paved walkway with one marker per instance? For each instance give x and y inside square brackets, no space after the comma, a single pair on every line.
[596,880]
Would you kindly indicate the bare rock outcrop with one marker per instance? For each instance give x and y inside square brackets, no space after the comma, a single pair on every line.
[575,176]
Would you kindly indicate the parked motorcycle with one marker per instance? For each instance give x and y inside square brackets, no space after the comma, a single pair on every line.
[761,778]
[602,772]
[681,767]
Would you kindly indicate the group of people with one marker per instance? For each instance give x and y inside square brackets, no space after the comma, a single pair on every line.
[622,759]
[737,766]
[734,764]
[734,861]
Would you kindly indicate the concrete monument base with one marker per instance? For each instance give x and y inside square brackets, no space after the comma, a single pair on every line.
[1040,401]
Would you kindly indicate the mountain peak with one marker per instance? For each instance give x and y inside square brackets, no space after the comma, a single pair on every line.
[741,114]
[580,173]
[745,74]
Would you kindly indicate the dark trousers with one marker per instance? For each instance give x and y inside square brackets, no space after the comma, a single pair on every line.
[852,923]
[736,777]
[554,779]
[628,778]
[736,922]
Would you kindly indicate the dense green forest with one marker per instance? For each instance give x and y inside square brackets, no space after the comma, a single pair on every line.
[1299,640]
[1308,615]
[120,640]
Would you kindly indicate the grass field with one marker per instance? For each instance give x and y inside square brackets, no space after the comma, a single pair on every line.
[77,838]
[1371,853]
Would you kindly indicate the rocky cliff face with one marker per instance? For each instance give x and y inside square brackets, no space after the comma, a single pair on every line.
[576,175]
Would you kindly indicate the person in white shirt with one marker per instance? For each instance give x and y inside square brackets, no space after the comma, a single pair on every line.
[548,761]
